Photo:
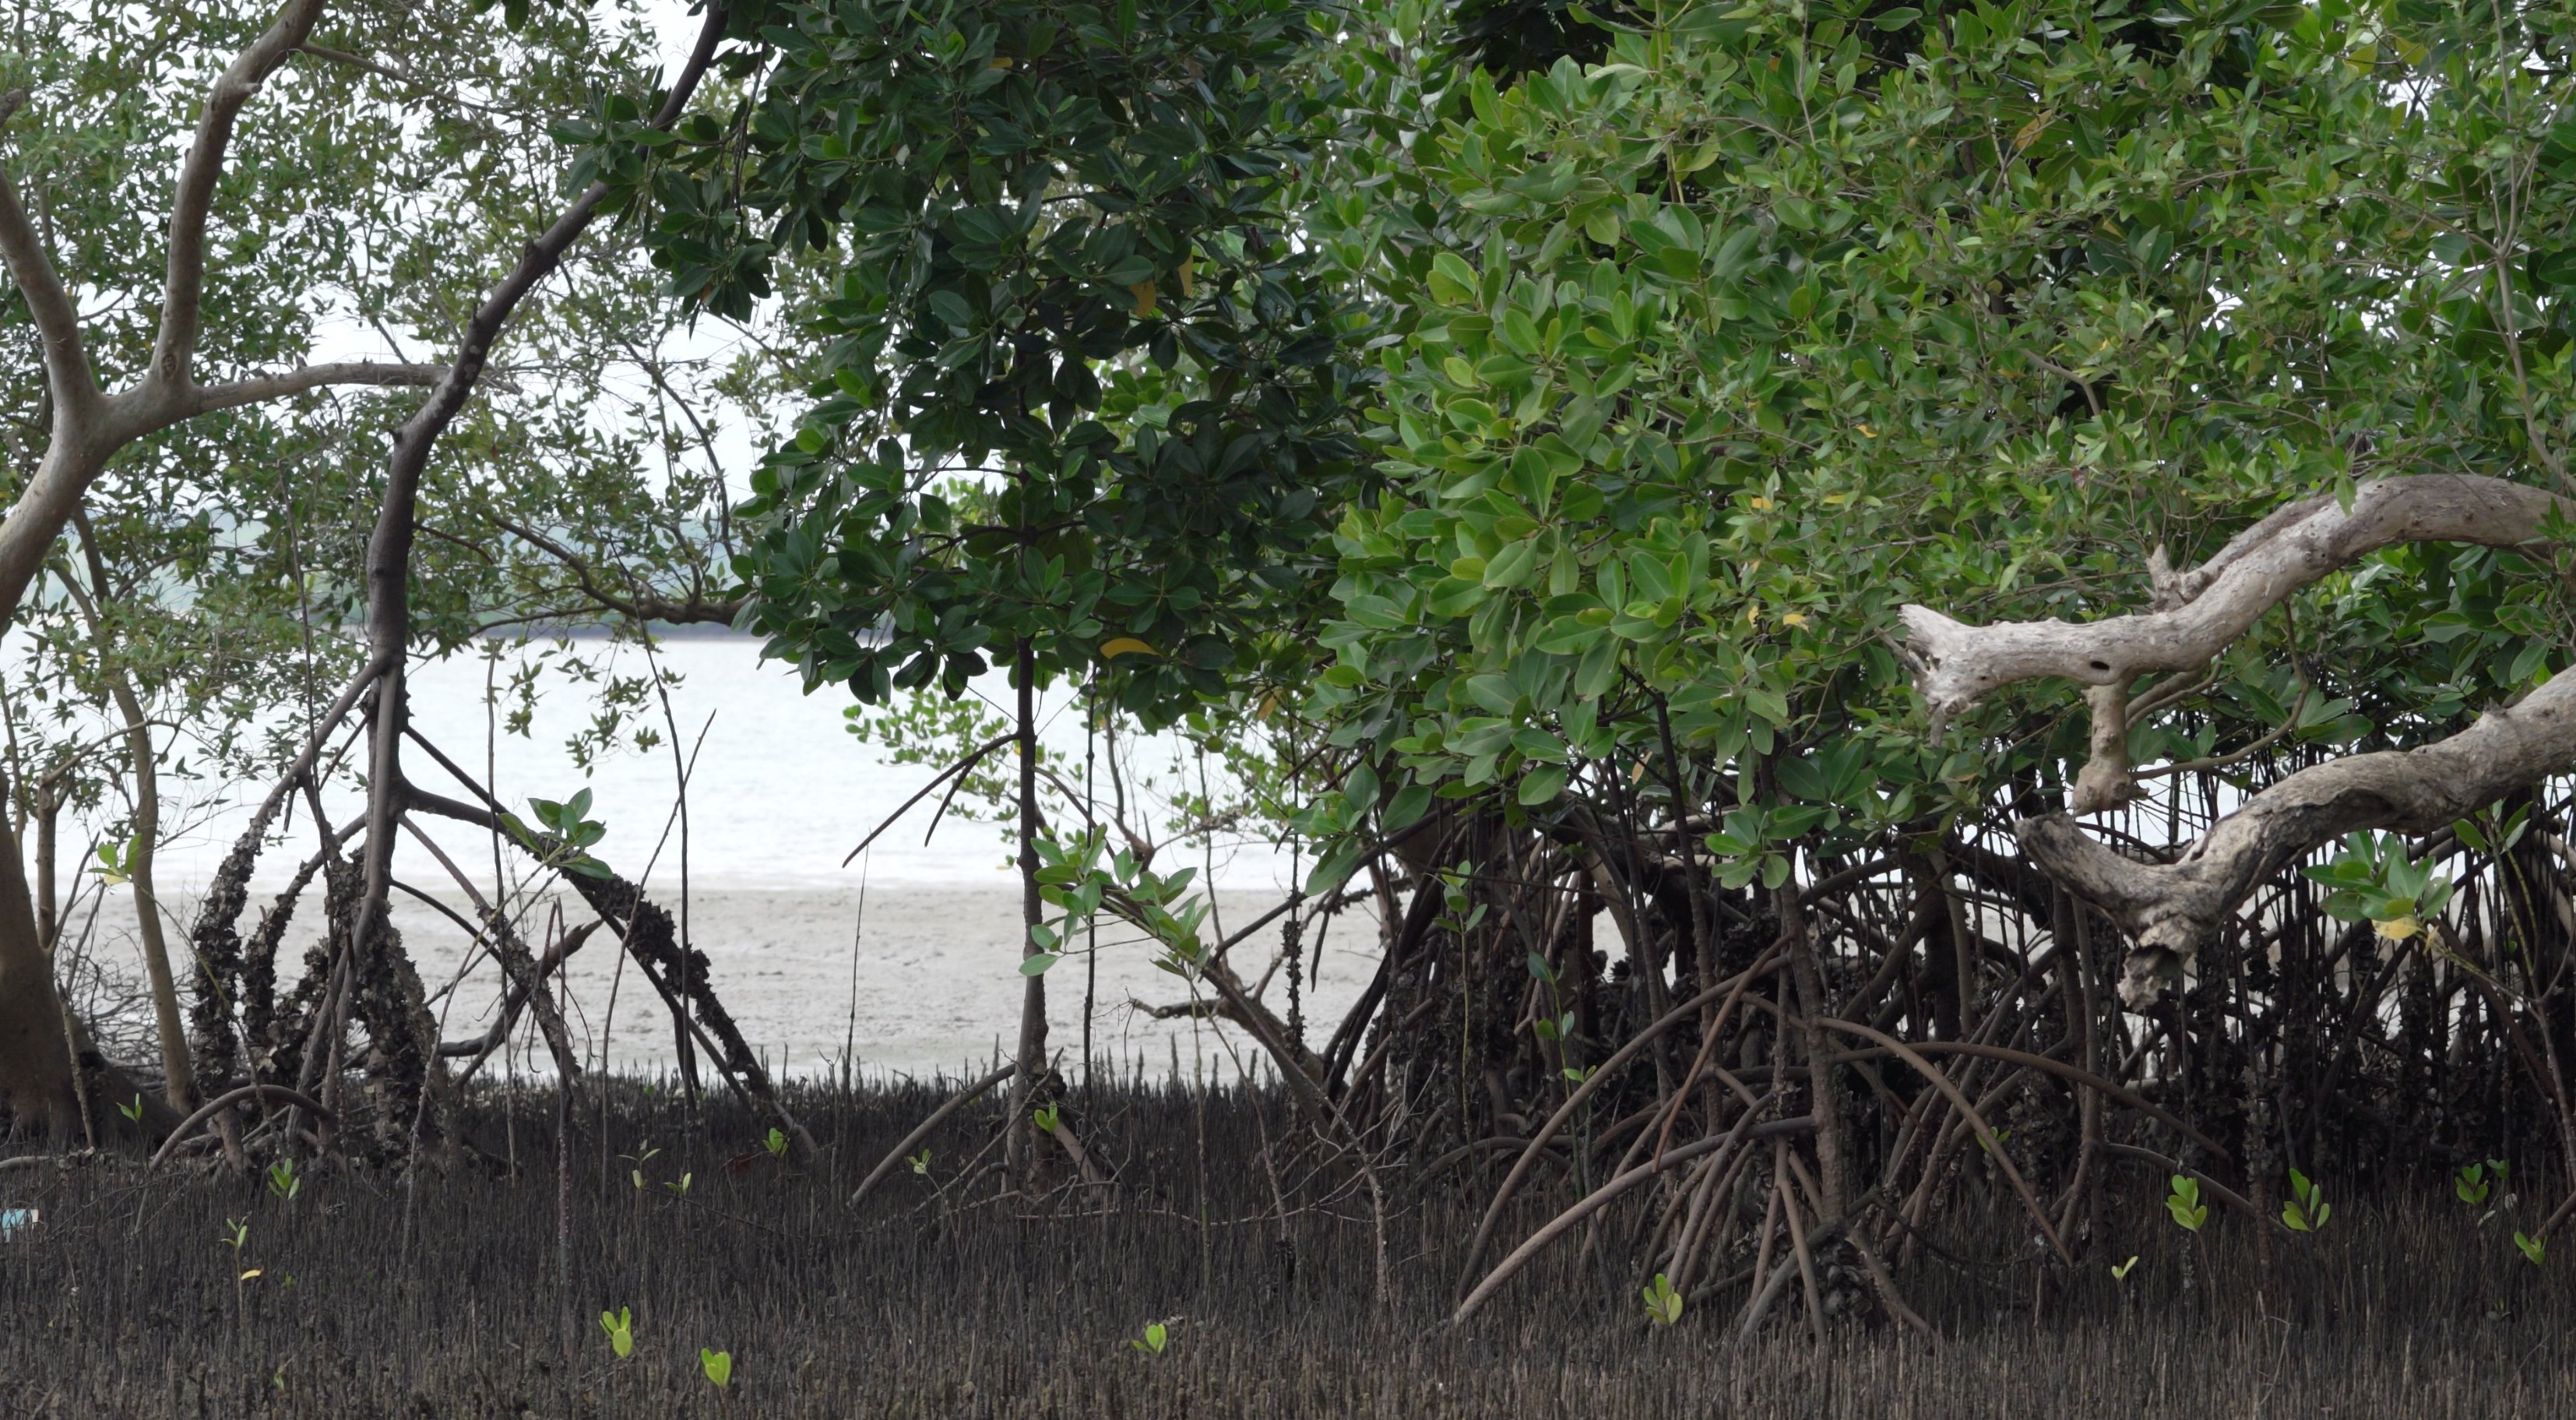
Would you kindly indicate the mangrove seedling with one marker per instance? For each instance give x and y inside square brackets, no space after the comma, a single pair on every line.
[718,1365]
[776,1143]
[639,1161]
[920,1163]
[2307,1209]
[2120,1271]
[1047,1118]
[283,1180]
[1157,1336]
[2532,1248]
[2473,1183]
[133,1112]
[1663,1303]
[236,1235]
[620,1326]
[2185,1205]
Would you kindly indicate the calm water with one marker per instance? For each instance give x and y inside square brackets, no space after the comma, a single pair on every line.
[780,791]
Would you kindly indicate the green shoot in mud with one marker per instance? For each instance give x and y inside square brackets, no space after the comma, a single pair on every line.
[133,1112]
[2120,1271]
[284,1181]
[2184,1204]
[718,1365]
[920,1163]
[2307,1209]
[1047,1118]
[1157,1336]
[2532,1248]
[776,1143]
[1663,1303]
[620,1326]
[236,1235]
[2474,1182]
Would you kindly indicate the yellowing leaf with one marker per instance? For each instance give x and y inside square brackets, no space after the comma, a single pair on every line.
[1144,293]
[1760,505]
[1002,61]
[2398,929]
[250,1274]
[1189,276]
[1117,646]
[1795,618]
[2030,131]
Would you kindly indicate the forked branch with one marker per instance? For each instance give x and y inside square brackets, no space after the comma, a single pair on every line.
[2169,908]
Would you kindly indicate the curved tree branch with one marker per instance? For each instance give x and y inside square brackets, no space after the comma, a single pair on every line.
[640,606]
[2215,603]
[32,269]
[2169,908]
[259,389]
[175,343]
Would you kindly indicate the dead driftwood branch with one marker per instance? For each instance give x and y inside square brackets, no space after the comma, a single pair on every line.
[2168,909]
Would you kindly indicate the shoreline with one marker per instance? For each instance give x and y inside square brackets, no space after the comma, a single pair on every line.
[928,983]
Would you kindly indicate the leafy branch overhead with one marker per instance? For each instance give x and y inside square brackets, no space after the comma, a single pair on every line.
[1082,391]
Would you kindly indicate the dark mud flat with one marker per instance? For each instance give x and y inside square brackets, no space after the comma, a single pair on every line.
[378,1294]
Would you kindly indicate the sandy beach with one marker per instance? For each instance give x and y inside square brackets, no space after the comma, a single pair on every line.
[927,983]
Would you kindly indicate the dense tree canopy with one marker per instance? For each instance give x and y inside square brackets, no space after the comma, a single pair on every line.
[1718,353]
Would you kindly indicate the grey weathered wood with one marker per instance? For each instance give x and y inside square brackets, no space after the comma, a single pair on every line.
[2167,909]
